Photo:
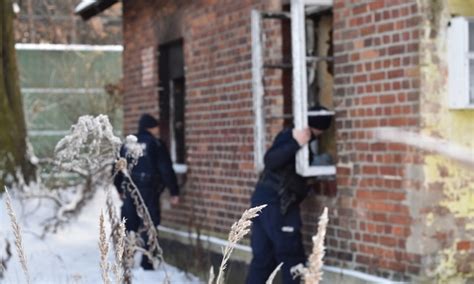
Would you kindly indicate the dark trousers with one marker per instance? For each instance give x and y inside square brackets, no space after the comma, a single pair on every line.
[275,238]
[134,222]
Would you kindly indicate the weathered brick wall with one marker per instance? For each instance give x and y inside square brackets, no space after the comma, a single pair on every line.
[376,84]
[218,111]
[140,66]
[446,207]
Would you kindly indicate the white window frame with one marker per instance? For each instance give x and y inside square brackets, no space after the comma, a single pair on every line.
[257,89]
[178,168]
[458,63]
[300,85]
[299,9]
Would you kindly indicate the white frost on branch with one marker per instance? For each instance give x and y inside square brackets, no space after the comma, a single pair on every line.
[87,151]
[134,149]
[90,142]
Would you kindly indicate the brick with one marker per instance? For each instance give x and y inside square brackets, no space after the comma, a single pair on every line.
[376,5]
[388,241]
[396,49]
[360,9]
[463,245]
[369,100]
[368,54]
[399,219]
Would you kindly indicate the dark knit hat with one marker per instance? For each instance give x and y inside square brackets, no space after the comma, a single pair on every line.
[321,121]
[147,121]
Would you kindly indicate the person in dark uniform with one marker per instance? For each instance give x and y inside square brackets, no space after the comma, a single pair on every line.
[152,173]
[276,232]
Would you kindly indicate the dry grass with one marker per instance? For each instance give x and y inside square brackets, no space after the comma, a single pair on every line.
[104,250]
[274,273]
[131,242]
[155,252]
[118,234]
[212,276]
[238,230]
[118,267]
[5,258]
[313,273]
[17,233]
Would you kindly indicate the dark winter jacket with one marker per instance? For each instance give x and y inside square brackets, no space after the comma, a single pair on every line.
[155,168]
[279,168]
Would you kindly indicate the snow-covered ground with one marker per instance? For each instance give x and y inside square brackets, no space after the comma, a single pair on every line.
[72,254]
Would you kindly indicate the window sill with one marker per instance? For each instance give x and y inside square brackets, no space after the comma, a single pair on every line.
[316,171]
[466,107]
[180,168]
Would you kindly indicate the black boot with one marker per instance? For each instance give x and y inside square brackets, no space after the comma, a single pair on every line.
[146,264]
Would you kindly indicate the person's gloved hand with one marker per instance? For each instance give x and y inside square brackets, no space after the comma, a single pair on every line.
[302,136]
[174,200]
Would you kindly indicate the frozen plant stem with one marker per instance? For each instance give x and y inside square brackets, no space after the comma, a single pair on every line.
[104,250]
[237,232]
[274,273]
[17,233]
[314,273]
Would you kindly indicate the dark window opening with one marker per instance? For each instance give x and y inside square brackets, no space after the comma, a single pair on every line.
[172,99]
[321,77]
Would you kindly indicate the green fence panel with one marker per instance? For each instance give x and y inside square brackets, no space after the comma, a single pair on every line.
[59,86]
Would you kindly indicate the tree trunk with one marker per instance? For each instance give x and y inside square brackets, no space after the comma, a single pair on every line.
[13,146]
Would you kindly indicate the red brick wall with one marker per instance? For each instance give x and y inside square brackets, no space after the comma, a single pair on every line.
[376,84]
[139,34]
[218,112]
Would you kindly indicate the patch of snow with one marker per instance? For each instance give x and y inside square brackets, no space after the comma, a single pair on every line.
[71,255]
[134,150]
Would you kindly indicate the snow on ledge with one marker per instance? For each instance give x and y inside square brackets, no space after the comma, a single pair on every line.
[359,275]
[67,47]
[349,272]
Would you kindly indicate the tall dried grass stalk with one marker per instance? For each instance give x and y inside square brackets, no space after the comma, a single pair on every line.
[128,255]
[314,273]
[238,230]
[118,234]
[156,252]
[118,267]
[142,211]
[274,273]
[17,233]
[212,276]
[104,250]
[167,279]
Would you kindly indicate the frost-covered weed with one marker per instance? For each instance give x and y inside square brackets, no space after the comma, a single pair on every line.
[90,144]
